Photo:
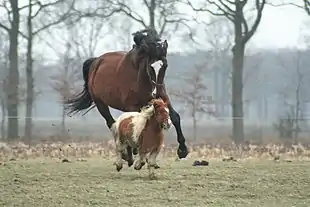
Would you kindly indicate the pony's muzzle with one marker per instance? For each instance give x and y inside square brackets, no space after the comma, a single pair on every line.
[167,124]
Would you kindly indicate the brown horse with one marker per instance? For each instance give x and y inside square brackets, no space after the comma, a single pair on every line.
[142,130]
[125,81]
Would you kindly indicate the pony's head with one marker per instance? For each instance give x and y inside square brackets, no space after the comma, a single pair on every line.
[161,113]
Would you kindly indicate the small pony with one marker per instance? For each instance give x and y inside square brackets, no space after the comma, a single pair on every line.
[142,130]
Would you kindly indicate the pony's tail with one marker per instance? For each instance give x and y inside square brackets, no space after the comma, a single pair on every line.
[82,100]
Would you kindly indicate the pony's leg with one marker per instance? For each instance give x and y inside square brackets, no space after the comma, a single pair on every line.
[119,149]
[140,162]
[106,114]
[176,121]
[129,156]
[152,165]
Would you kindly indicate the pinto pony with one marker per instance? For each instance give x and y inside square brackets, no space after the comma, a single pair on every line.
[142,130]
[125,81]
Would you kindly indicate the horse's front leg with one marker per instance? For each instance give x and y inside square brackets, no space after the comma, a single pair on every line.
[176,121]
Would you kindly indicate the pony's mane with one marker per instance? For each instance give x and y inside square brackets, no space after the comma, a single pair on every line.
[148,110]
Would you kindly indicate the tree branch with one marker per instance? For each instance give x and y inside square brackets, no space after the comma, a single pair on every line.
[58,21]
[123,8]
[43,6]
[4,27]
[229,14]
[8,12]
[259,8]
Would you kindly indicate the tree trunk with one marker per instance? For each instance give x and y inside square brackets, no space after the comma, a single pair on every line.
[63,122]
[237,93]
[152,8]
[265,108]
[2,118]
[296,118]
[29,75]
[13,79]
[217,90]
[194,128]
[224,93]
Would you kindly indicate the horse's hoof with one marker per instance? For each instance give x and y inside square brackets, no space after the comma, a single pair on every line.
[182,152]
[135,151]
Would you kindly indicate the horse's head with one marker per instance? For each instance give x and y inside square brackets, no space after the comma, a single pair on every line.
[150,49]
[149,44]
[161,113]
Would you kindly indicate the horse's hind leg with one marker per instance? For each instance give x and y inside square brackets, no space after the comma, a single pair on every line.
[106,114]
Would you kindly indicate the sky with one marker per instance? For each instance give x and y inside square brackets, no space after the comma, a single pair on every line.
[281,27]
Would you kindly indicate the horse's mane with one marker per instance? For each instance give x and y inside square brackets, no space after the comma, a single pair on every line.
[145,40]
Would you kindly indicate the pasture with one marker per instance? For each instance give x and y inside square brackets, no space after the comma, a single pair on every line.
[94,181]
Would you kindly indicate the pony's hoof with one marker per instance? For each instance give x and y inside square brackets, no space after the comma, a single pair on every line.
[130,163]
[119,167]
[182,152]
[156,166]
[135,151]
[139,166]
[152,176]
[125,156]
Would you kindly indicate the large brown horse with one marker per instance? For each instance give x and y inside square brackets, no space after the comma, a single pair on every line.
[125,81]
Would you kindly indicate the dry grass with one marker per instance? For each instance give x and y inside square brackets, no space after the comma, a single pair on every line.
[105,149]
[95,182]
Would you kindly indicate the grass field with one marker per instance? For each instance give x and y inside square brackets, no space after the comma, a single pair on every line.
[50,183]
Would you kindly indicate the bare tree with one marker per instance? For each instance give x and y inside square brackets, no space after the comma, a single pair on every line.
[3,74]
[219,38]
[193,96]
[234,11]
[295,93]
[12,29]
[162,15]
[64,82]
[302,4]
[78,46]
[35,11]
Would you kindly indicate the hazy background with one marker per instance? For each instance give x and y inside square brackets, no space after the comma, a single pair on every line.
[276,78]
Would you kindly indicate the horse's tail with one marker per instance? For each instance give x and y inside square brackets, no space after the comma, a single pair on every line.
[83,99]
